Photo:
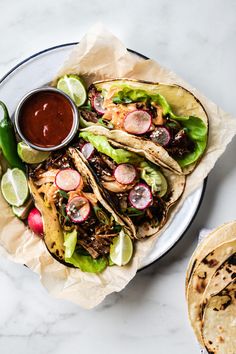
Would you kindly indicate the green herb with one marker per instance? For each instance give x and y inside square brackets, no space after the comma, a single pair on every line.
[101,122]
[117,228]
[63,194]
[87,107]
[134,212]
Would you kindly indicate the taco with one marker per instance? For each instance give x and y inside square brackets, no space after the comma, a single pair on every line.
[79,224]
[166,121]
[140,191]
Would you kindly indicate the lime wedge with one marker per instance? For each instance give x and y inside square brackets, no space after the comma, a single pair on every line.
[74,88]
[14,187]
[121,249]
[22,211]
[29,155]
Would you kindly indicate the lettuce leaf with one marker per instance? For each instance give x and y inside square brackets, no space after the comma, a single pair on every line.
[87,263]
[102,145]
[84,262]
[70,240]
[129,95]
[197,131]
[194,126]
[154,178]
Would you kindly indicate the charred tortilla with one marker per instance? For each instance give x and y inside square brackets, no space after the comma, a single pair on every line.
[219,329]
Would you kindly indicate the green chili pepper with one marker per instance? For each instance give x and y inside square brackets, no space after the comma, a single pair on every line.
[8,139]
[101,215]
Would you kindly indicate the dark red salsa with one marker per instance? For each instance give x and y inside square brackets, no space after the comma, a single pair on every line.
[46,119]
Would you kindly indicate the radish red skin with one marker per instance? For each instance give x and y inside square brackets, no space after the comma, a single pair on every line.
[35,222]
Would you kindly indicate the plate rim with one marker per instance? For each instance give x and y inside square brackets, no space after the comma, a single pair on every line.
[36,54]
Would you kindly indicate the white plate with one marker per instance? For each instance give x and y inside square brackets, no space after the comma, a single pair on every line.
[40,69]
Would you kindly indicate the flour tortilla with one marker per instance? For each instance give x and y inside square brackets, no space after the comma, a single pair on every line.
[223,233]
[219,321]
[183,103]
[202,276]
[224,274]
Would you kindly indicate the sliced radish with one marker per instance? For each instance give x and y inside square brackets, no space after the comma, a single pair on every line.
[97,103]
[78,209]
[125,173]
[67,179]
[137,122]
[87,150]
[161,136]
[140,196]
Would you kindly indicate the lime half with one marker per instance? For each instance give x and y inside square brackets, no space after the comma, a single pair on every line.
[29,155]
[121,249]
[74,88]
[14,187]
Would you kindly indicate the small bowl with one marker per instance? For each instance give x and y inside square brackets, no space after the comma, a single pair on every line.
[75,124]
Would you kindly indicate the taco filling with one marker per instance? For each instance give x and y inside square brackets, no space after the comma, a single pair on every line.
[138,189]
[146,113]
[87,227]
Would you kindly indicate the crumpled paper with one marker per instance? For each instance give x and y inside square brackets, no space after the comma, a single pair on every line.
[100,55]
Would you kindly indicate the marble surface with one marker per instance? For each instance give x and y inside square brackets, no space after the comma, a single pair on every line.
[197,40]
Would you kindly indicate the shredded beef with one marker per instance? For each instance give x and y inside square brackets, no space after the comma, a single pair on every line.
[180,144]
[89,116]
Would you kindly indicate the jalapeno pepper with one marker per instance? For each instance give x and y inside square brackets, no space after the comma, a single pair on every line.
[8,139]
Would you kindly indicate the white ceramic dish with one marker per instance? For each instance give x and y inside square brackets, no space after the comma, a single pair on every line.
[39,69]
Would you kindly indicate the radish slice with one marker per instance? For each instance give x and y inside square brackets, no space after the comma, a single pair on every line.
[97,103]
[125,173]
[140,196]
[78,209]
[67,179]
[87,150]
[137,122]
[161,135]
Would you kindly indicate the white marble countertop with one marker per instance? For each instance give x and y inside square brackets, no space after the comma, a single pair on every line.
[197,40]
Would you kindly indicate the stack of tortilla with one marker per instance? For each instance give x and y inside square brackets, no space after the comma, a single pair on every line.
[211,290]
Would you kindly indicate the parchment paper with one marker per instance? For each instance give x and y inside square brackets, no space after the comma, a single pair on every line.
[100,55]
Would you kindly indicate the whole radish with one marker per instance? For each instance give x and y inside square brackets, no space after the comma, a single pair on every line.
[35,221]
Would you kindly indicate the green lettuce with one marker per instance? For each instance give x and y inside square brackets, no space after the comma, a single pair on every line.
[70,240]
[197,131]
[102,145]
[85,262]
[194,126]
[154,178]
